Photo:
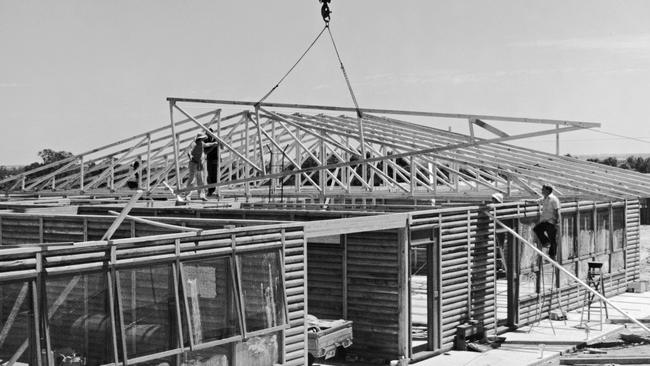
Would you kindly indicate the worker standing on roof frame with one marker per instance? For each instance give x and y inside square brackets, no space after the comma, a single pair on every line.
[196,164]
[547,228]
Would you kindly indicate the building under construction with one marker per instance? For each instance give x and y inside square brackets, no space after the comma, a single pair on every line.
[348,213]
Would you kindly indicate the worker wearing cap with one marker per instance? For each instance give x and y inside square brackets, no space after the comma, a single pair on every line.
[546,229]
[196,165]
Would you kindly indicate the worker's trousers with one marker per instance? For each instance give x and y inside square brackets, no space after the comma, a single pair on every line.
[196,171]
[546,232]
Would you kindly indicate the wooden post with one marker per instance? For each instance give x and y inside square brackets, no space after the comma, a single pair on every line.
[557,139]
[172,104]
[81,173]
[148,162]
[403,307]
[259,140]
[116,224]
[247,187]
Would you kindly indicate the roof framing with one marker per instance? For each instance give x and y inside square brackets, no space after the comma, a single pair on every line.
[266,149]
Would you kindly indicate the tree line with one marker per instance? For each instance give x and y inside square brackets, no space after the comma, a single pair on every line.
[637,163]
[47,156]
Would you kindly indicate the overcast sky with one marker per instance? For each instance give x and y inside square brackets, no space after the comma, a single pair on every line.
[80,74]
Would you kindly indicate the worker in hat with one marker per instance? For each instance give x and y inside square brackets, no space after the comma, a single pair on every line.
[547,228]
[196,166]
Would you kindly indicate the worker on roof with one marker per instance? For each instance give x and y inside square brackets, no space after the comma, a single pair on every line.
[546,229]
[196,165]
[212,162]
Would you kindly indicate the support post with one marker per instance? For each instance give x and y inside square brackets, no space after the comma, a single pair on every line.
[148,162]
[81,173]
[175,138]
[557,140]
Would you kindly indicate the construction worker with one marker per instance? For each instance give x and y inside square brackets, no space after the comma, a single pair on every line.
[196,165]
[546,229]
[212,162]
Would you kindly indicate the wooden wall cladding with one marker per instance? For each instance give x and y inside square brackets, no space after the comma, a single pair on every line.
[325,280]
[373,293]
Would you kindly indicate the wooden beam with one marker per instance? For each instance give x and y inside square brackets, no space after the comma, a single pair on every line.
[320,228]
[156,223]
[118,221]
[391,111]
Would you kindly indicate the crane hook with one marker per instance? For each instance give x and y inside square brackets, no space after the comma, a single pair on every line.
[325,11]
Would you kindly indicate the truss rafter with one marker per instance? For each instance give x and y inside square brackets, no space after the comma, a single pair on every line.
[263,147]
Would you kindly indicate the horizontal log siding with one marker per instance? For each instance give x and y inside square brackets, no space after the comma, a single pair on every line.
[295,263]
[483,271]
[373,293]
[324,278]
[456,246]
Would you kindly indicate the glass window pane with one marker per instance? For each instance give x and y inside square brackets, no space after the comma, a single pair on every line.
[564,278]
[258,351]
[618,214]
[80,326]
[16,322]
[263,290]
[148,309]
[527,256]
[618,261]
[527,284]
[583,268]
[215,356]
[586,233]
[210,297]
[567,238]
[602,230]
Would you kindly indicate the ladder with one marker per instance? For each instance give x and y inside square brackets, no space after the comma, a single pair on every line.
[596,282]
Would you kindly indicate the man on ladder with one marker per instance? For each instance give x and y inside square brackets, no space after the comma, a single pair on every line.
[546,229]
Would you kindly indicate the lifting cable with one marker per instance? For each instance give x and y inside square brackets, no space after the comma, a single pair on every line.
[293,67]
[325,13]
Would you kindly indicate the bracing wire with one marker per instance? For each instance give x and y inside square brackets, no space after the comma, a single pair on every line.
[621,136]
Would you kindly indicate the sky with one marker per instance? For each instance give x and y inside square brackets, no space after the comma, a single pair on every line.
[79,74]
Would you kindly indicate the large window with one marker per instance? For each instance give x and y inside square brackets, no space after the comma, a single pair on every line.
[210,300]
[263,290]
[79,321]
[16,323]
[603,237]
[618,221]
[567,237]
[148,306]
[585,233]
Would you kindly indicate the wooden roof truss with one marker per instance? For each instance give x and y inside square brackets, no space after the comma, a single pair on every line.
[266,149]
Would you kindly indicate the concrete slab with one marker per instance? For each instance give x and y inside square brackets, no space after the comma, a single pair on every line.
[524,346]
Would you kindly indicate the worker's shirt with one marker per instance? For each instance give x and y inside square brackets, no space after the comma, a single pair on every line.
[197,152]
[550,205]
